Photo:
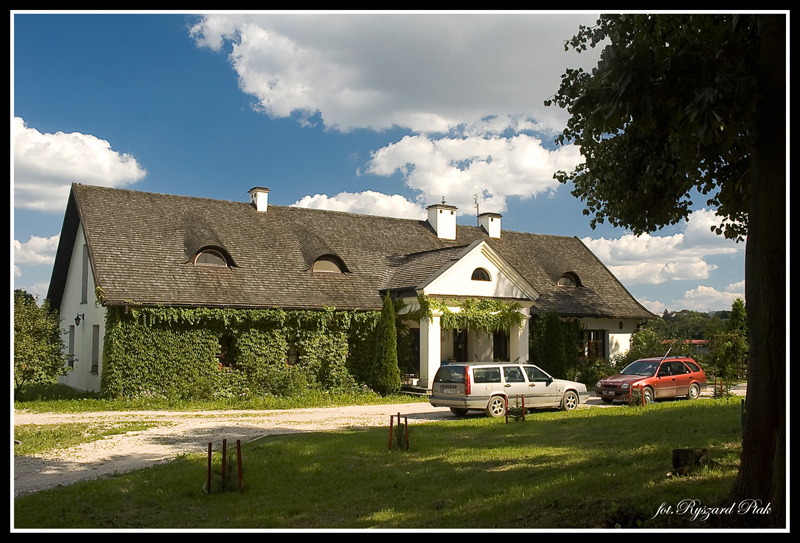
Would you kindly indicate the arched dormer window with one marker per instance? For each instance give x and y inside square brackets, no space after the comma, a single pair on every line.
[212,258]
[569,279]
[481,274]
[328,264]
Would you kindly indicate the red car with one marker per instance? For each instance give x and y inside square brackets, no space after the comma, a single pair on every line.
[657,378]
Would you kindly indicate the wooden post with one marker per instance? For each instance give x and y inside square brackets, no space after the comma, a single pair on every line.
[391,430]
[208,469]
[239,461]
[224,459]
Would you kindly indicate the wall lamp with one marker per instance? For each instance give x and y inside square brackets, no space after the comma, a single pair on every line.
[78,318]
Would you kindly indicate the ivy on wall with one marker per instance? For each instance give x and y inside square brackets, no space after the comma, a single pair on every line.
[212,353]
[486,315]
[176,352]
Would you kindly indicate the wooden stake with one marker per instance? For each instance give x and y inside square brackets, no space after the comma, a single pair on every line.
[239,460]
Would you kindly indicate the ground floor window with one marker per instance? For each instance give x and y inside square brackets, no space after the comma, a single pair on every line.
[224,355]
[594,344]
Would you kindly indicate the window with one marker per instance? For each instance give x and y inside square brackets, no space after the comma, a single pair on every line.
[85,276]
[481,274]
[71,347]
[594,344]
[328,264]
[211,258]
[568,280]
[535,375]
[460,343]
[500,344]
[454,374]
[513,374]
[95,348]
[225,353]
[486,375]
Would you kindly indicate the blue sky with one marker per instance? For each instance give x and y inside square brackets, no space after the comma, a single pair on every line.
[381,113]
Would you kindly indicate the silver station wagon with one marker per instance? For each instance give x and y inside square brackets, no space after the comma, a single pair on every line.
[490,387]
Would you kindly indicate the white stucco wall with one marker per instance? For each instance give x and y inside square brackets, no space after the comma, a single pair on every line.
[92,324]
[619,332]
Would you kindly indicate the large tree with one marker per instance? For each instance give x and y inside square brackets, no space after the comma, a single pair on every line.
[681,107]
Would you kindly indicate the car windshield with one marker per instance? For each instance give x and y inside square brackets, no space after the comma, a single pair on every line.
[641,367]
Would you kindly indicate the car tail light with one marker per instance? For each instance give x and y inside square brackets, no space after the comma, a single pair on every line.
[467,381]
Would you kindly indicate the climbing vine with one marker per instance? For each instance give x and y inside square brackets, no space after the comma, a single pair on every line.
[209,353]
[213,353]
[473,314]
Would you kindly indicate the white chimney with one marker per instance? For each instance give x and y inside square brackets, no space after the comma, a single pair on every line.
[490,222]
[259,197]
[442,218]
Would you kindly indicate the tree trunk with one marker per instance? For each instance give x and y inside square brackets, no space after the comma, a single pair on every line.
[762,473]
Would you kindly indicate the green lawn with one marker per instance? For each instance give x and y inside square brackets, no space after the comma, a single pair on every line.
[591,468]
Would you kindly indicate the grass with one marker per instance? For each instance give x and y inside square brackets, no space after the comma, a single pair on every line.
[591,468]
[62,399]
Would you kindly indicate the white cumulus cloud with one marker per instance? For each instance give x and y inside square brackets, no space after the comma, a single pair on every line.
[367,202]
[656,259]
[421,71]
[705,298]
[37,250]
[46,164]
[456,169]
[468,89]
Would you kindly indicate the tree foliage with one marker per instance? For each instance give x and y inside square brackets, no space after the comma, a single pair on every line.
[385,377]
[38,345]
[667,113]
[687,105]
[554,345]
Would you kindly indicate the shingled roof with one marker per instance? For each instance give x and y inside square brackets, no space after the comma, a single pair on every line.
[142,244]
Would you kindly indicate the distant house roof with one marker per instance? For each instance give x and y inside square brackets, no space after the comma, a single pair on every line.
[142,248]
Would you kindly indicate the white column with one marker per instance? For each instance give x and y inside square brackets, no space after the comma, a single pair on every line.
[430,349]
[518,337]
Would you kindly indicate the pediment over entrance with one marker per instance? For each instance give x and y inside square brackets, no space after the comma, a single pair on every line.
[479,273]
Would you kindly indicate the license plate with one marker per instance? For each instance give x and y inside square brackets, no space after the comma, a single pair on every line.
[448,390]
[607,392]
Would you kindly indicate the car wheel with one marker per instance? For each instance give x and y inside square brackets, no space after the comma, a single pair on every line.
[458,411]
[496,407]
[648,395]
[694,391]
[570,401]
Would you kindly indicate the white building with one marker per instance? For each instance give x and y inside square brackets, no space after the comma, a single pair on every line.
[135,249]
